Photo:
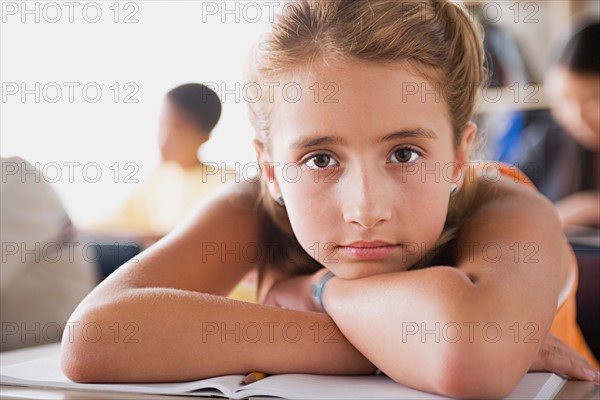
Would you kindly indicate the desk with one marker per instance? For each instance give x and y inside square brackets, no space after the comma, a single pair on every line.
[572,390]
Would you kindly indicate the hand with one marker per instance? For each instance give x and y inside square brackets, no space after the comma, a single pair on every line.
[579,209]
[558,357]
[294,293]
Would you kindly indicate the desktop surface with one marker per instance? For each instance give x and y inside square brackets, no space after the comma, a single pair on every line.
[572,390]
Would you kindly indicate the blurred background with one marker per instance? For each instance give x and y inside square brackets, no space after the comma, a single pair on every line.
[136,51]
[84,84]
[153,47]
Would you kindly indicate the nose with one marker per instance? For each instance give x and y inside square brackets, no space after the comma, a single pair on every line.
[365,201]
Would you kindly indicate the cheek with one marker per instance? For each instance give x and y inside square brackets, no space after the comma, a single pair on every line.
[591,116]
[426,209]
[306,205]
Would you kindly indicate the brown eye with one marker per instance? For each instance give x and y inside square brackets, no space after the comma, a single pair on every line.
[405,155]
[320,161]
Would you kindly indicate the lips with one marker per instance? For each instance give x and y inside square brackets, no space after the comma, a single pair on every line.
[366,244]
[368,250]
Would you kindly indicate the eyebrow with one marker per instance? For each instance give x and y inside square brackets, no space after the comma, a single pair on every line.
[316,140]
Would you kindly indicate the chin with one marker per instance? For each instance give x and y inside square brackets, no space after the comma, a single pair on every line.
[361,269]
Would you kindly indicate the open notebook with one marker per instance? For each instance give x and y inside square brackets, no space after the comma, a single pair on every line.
[45,372]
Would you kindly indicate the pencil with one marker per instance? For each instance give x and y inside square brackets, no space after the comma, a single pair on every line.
[253,377]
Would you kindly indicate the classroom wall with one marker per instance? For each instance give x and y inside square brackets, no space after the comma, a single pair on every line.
[96,148]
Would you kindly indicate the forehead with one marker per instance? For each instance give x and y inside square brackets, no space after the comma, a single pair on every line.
[359,99]
[559,78]
[581,82]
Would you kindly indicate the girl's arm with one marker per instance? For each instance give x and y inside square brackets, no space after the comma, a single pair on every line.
[473,330]
[163,317]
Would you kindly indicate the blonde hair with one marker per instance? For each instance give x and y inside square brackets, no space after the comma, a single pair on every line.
[435,38]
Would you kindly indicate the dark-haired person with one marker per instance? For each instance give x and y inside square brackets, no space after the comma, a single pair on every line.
[574,87]
[560,153]
[181,180]
[189,115]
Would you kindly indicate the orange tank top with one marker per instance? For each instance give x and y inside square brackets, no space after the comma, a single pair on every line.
[565,320]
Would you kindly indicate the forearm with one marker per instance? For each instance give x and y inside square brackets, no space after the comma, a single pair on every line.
[424,328]
[580,209]
[159,334]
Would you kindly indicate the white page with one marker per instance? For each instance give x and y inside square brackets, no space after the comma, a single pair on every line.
[538,386]
[46,372]
[304,386]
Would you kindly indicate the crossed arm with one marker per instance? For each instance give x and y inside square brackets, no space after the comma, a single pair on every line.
[163,317]
[184,329]
[474,329]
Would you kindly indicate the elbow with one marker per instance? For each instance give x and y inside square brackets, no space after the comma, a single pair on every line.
[76,360]
[473,375]
[74,369]
[458,372]
[76,365]
[83,358]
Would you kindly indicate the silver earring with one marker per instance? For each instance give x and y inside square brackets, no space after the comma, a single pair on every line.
[280,200]
[453,189]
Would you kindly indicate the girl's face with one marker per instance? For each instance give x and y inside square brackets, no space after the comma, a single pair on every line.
[364,158]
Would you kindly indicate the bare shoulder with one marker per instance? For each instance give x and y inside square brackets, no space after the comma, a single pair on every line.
[207,253]
[511,208]
[230,215]
[502,189]
[240,194]
[519,221]
[236,200]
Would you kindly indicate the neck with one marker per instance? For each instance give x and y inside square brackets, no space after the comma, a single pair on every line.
[186,162]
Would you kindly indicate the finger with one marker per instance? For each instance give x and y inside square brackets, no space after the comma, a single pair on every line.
[270,301]
[569,352]
[584,371]
[570,367]
[578,358]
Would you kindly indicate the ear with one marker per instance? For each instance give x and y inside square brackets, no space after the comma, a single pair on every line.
[462,152]
[267,168]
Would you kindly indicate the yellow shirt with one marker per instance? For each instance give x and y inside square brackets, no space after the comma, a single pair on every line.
[166,197]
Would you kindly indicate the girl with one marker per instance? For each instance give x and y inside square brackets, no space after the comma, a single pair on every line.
[367,195]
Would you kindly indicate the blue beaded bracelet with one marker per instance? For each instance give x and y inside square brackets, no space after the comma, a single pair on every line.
[318,288]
